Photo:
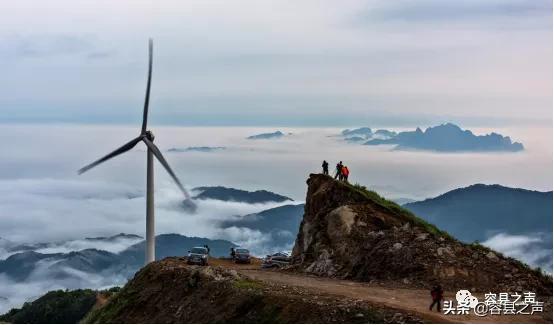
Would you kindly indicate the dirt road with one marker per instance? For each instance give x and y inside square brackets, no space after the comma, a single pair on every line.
[410,300]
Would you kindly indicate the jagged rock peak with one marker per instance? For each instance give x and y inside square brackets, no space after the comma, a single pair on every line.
[350,232]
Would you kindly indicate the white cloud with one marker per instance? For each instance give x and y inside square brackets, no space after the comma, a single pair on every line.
[113,246]
[527,248]
[259,243]
[71,212]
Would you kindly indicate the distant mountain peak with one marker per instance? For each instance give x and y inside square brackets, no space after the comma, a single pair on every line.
[359,131]
[491,188]
[448,137]
[270,135]
[114,237]
[236,195]
[475,212]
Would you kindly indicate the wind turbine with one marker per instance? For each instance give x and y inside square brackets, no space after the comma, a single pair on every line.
[147,137]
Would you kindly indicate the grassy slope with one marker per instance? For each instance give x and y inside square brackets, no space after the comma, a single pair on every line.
[397,209]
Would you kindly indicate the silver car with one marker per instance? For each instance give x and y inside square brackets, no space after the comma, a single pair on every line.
[277,260]
[198,255]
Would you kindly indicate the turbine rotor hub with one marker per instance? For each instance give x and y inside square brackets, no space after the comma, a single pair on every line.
[149,135]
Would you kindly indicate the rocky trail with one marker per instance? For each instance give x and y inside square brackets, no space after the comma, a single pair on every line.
[412,301]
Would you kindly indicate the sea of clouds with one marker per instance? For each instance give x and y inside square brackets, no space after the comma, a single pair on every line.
[43,200]
[63,212]
[77,209]
[528,248]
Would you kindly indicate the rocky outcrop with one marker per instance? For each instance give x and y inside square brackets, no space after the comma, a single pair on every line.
[353,233]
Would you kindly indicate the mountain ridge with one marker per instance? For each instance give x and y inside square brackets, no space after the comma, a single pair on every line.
[20,266]
[264,136]
[447,137]
[471,209]
[481,186]
[223,193]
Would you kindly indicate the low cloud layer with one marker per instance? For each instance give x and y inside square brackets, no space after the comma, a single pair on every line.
[66,211]
[526,248]
[259,243]
[14,294]
[114,246]
[77,209]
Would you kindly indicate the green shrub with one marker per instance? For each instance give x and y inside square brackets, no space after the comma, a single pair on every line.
[247,284]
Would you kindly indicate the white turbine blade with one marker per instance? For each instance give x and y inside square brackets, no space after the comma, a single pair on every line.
[126,147]
[147,98]
[164,163]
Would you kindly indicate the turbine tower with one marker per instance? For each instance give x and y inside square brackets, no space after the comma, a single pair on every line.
[147,137]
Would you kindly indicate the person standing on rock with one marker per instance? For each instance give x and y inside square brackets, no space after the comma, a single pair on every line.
[345,173]
[325,167]
[338,174]
[436,295]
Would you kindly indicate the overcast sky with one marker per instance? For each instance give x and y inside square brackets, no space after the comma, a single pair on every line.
[332,63]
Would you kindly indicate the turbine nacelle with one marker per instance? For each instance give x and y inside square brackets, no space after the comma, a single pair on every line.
[149,135]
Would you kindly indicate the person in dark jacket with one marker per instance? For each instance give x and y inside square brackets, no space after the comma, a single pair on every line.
[207,248]
[436,295]
[338,174]
[325,167]
[233,253]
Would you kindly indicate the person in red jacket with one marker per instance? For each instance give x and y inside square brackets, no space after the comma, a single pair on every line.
[345,173]
[436,294]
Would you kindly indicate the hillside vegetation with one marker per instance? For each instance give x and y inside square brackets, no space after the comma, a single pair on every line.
[54,307]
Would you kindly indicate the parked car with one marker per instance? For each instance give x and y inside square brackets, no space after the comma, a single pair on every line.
[277,260]
[242,255]
[198,255]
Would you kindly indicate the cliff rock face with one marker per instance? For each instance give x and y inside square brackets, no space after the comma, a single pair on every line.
[353,233]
